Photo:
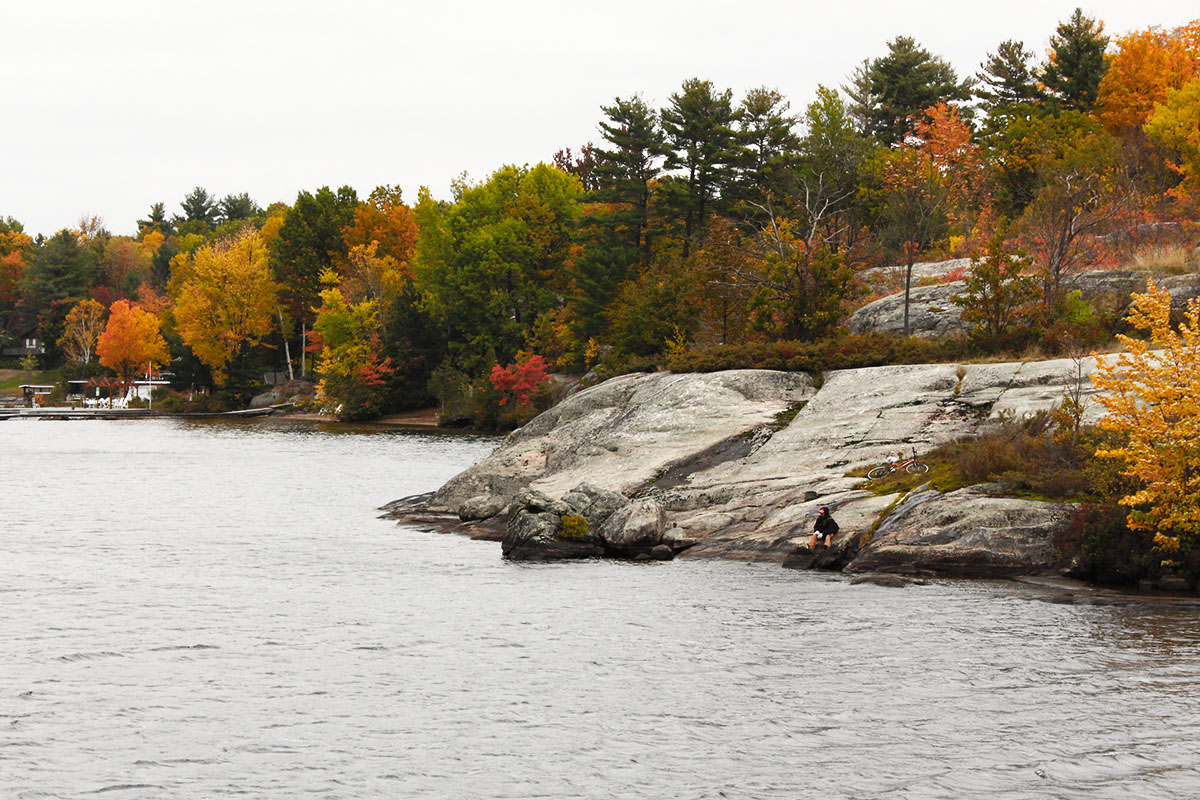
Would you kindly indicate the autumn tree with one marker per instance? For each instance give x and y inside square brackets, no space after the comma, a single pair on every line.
[1176,125]
[1146,66]
[82,330]
[1152,395]
[929,177]
[15,248]
[352,365]
[387,222]
[225,300]
[997,292]
[1076,65]
[1081,191]
[131,341]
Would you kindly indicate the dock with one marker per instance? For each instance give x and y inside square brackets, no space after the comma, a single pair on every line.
[64,413]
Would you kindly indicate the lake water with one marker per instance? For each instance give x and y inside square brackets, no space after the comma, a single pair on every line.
[201,610]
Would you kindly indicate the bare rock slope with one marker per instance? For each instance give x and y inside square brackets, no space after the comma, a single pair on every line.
[735,464]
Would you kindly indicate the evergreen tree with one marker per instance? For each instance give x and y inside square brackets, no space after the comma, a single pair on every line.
[624,171]
[156,220]
[60,269]
[309,242]
[199,207]
[889,93]
[236,207]
[698,125]
[1076,66]
[1007,81]
[767,148]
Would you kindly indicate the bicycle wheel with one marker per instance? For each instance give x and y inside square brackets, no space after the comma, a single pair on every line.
[917,468]
[877,473]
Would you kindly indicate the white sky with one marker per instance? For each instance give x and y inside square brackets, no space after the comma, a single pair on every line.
[108,107]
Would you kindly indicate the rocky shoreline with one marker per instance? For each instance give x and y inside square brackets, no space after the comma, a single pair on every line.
[735,465]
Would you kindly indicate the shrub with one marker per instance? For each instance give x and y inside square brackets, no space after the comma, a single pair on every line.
[573,527]
[1102,545]
[840,352]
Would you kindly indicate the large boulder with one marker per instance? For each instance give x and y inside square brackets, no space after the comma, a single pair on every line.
[619,435]
[635,528]
[931,314]
[965,533]
[541,536]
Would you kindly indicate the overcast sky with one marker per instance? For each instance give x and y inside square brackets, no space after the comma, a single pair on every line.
[110,107]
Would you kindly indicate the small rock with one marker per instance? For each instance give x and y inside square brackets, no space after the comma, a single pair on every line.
[881,579]
[678,539]
[661,552]
[1174,583]
[484,506]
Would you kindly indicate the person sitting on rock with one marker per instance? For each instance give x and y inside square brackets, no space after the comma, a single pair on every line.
[825,529]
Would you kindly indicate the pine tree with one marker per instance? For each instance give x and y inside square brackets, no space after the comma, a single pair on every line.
[1072,75]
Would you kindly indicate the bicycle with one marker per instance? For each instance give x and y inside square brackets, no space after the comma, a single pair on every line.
[909,465]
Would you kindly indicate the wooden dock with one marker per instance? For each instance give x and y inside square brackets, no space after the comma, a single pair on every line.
[63,413]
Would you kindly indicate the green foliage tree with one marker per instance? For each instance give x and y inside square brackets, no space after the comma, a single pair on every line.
[1008,88]
[626,169]
[494,260]
[199,211]
[767,150]
[698,124]
[59,269]
[310,242]
[891,92]
[235,207]
[1076,65]
[156,220]
[656,308]
[829,177]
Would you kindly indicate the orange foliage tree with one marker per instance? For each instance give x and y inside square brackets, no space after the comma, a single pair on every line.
[131,341]
[385,221]
[929,178]
[1146,66]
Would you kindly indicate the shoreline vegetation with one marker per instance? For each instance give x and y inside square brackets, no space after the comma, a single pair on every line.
[911,220]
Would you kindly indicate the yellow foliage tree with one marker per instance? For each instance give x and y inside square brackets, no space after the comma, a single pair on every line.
[225,300]
[81,331]
[1176,124]
[1152,395]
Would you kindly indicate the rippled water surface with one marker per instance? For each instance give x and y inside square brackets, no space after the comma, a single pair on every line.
[201,610]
